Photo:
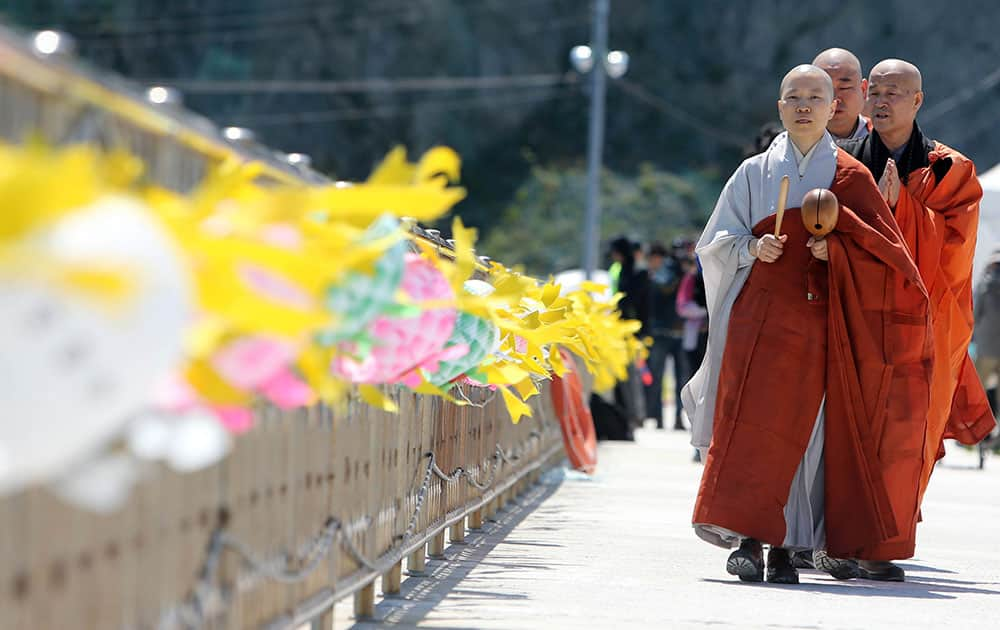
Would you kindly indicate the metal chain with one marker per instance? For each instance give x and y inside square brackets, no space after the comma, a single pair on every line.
[277,568]
[348,544]
[421,495]
[461,394]
[482,486]
[207,597]
[454,476]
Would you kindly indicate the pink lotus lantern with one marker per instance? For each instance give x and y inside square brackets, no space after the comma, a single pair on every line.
[402,343]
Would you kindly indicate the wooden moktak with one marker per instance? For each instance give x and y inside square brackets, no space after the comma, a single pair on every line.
[820,209]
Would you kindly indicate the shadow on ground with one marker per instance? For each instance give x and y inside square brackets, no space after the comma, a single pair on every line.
[419,595]
[915,586]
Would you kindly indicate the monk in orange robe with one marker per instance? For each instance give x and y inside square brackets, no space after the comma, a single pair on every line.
[934,194]
[808,340]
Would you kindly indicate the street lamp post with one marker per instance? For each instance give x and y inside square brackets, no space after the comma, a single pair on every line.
[600,63]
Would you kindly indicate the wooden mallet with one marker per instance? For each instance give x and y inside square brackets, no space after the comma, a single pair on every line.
[782,199]
[820,210]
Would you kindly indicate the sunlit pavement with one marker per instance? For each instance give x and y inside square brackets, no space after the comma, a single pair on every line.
[617,551]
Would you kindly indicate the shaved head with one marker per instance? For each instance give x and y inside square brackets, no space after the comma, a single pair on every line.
[850,87]
[895,94]
[807,70]
[903,73]
[837,58]
[806,105]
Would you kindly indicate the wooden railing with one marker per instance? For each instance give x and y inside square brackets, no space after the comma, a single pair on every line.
[310,507]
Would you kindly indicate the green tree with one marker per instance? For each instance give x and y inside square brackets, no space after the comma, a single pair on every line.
[542,228]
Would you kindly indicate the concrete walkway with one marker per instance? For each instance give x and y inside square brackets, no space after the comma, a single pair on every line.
[617,551]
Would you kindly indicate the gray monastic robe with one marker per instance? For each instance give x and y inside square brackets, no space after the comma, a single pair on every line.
[749,196]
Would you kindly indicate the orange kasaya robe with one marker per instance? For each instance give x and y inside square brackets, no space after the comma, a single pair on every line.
[938,214]
[856,329]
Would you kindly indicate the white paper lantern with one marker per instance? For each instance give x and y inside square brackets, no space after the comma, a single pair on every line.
[197,441]
[72,370]
[102,485]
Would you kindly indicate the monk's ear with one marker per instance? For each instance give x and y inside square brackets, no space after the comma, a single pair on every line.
[918,100]
[864,88]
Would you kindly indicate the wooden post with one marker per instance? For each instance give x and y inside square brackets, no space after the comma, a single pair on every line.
[436,546]
[364,602]
[392,581]
[325,621]
[458,532]
[476,520]
[416,566]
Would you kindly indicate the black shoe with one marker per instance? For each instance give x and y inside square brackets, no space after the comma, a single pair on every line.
[840,568]
[881,571]
[779,567]
[679,426]
[803,559]
[747,562]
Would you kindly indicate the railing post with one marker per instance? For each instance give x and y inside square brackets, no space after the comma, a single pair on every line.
[458,532]
[435,548]
[416,566]
[392,582]
[324,622]
[364,602]
[476,520]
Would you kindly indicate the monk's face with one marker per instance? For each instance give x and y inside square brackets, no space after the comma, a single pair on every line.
[850,90]
[806,106]
[894,101]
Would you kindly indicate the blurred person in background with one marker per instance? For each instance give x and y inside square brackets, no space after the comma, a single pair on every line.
[633,283]
[666,329]
[692,309]
[765,135]
[987,331]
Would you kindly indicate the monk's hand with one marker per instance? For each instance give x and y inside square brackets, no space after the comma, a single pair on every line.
[818,247]
[769,247]
[889,184]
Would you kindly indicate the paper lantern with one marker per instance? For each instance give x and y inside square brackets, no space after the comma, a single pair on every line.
[174,396]
[73,368]
[186,442]
[479,335]
[360,297]
[102,485]
[402,343]
[248,362]
[197,441]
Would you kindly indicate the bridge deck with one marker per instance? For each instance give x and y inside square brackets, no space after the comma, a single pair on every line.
[617,551]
